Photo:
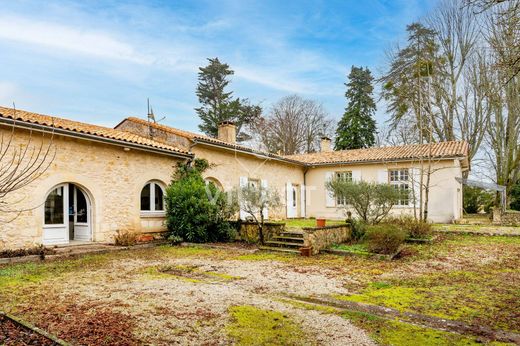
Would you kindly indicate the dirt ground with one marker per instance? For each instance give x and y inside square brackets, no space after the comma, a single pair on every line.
[183,295]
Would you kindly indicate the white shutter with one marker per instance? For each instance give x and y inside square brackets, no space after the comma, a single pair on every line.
[330,201]
[243,183]
[415,177]
[289,200]
[302,200]
[263,184]
[382,176]
[356,175]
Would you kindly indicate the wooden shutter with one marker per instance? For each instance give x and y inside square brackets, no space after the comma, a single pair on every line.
[330,200]
[243,213]
[382,176]
[263,184]
[415,184]
[302,200]
[356,175]
[289,200]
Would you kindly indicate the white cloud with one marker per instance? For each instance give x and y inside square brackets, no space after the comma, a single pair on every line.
[75,40]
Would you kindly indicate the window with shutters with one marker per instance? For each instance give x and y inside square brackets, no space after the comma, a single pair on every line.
[400,180]
[343,176]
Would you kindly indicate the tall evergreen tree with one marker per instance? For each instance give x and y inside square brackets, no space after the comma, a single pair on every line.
[217,105]
[357,127]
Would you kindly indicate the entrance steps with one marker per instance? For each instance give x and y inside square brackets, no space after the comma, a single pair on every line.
[290,241]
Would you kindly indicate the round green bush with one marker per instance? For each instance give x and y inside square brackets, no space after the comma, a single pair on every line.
[384,238]
[197,211]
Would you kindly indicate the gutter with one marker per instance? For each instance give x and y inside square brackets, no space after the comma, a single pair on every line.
[351,163]
[91,137]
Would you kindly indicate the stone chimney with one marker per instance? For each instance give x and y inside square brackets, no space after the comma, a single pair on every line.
[227,132]
[325,144]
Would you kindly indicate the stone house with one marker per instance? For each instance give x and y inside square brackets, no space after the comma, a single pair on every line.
[104,180]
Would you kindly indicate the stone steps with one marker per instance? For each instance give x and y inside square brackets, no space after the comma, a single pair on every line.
[283,244]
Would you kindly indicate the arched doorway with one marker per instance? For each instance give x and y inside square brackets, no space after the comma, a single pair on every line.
[67,215]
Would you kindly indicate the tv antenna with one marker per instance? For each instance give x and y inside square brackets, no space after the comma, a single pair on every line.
[151,119]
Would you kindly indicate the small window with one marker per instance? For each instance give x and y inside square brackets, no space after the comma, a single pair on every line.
[343,176]
[253,183]
[399,178]
[294,196]
[152,197]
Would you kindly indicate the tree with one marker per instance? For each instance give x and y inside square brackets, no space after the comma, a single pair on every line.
[196,211]
[406,84]
[218,105]
[503,96]
[294,125]
[357,127]
[21,163]
[372,202]
[255,201]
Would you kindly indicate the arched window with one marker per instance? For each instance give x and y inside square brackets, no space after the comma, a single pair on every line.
[215,182]
[152,197]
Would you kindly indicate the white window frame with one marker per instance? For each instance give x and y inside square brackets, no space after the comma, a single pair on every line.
[400,179]
[152,212]
[345,176]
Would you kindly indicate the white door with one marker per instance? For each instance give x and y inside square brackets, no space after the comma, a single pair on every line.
[81,216]
[56,223]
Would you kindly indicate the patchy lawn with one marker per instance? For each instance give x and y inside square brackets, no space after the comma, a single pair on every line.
[192,295]
[310,222]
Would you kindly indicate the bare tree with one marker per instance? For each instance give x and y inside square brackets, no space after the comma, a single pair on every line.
[497,13]
[255,201]
[20,165]
[503,96]
[294,125]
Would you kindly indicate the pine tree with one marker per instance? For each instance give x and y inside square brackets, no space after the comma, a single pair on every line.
[357,127]
[217,105]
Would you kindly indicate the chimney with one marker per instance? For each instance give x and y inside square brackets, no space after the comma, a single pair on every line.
[227,132]
[325,144]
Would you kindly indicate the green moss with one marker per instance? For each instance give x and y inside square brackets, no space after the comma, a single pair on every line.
[399,298]
[254,326]
[35,272]
[309,306]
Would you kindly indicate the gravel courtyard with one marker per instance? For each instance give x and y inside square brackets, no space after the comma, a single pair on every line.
[193,296]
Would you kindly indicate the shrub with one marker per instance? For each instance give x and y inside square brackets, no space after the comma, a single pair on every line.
[414,228]
[384,238]
[477,200]
[358,229]
[371,201]
[125,238]
[197,211]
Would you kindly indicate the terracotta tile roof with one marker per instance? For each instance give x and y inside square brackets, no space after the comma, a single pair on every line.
[195,137]
[83,128]
[404,152]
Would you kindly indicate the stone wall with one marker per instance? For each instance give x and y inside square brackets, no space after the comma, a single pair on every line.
[508,218]
[324,237]
[248,231]
[111,177]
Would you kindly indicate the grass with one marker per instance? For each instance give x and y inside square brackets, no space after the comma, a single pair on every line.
[357,248]
[392,332]
[254,326]
[469,278]
[310,222]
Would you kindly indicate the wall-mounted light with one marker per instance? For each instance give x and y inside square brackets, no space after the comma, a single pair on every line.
[126,149]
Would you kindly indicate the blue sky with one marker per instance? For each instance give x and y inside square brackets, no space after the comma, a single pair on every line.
[99,61]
